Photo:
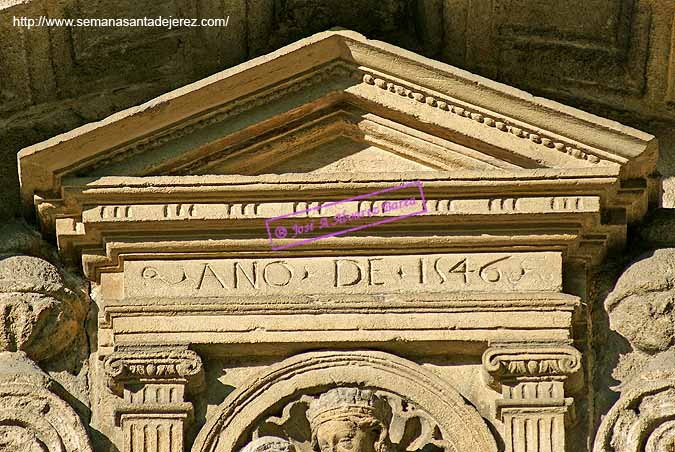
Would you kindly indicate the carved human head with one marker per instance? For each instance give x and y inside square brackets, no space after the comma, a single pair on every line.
[349,420]
[43,315]
[641,306]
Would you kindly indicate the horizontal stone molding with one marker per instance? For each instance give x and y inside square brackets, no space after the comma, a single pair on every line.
[292,321]
[177,410]
[202,212]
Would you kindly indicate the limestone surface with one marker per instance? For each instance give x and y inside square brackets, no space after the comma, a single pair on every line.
[469,326]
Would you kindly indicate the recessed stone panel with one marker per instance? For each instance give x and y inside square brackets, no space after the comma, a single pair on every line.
[503,272]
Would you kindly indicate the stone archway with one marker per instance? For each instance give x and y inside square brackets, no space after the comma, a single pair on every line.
[461,425]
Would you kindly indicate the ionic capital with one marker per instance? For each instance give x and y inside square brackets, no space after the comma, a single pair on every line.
[153,365]
[518,362]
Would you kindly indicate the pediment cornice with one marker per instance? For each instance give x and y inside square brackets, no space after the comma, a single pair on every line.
[500,168]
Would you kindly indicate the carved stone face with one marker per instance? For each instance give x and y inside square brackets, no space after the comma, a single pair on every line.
[39,314]
[344,435]
[348,420]
[642,305]
[647,320]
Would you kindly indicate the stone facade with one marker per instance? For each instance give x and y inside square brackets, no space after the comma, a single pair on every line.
[152,314]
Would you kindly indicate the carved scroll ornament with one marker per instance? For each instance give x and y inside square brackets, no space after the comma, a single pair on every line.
[159,365]
[642,309]
[152,364]
[531,361]
[643,420]
[351,419]
[33,418]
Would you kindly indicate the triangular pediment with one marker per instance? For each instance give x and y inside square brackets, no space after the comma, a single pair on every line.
[340,154]
[337,102]
[344,141]
[333,117]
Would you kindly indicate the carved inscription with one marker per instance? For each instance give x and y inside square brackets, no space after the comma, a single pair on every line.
[355,274]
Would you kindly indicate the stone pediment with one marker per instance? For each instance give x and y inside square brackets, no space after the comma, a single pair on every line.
[333,84]
[166,208]
[327,118]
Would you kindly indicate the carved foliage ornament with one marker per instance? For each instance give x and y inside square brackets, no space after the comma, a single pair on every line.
[643,420]
[39,317]
[39,314]
[642,305]
[349,419]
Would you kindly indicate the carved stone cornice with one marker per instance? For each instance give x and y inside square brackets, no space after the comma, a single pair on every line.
[123,367]
[102,222]
[301,63]
[210,157]
[499,123]
[524,362]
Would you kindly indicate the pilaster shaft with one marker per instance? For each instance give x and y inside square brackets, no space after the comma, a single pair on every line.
[533,405]
[154,414]
[157,428]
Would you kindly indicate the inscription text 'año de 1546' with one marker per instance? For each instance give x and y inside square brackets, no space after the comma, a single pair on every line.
[355,274]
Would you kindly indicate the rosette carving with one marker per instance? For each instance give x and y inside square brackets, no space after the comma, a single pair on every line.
[39,314]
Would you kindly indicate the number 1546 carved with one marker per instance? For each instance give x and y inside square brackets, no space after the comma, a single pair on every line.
[350,274]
